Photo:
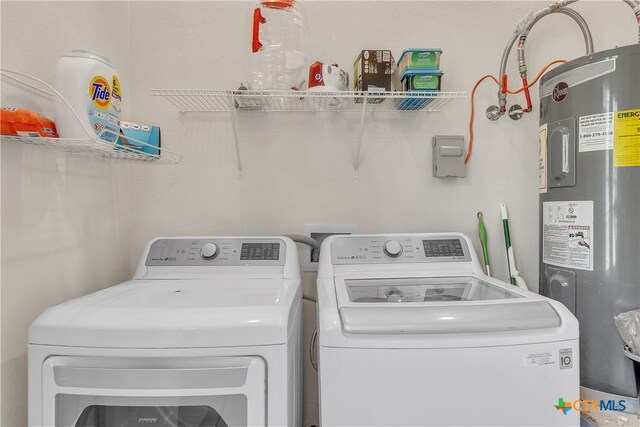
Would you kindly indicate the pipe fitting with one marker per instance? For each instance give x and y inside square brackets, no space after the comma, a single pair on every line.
[522,63]
[523,71]
[502,102]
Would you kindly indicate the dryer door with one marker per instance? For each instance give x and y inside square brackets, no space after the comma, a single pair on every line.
[159,392]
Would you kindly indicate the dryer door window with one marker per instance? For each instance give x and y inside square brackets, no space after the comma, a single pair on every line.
[159,416]
[159,392]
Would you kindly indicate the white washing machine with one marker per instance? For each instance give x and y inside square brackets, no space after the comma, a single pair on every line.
[208,333]
[411,332]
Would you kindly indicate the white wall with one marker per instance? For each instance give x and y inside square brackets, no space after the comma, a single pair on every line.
[297,167]
[63,234]
[293,163]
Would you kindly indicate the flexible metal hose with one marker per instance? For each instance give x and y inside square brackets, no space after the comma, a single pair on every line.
[525,27]
[313,350]
[586,33]
[555,8]
[522,65]
[306,240]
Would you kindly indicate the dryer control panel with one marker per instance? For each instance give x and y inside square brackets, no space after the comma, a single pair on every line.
[216,252]
[401,249]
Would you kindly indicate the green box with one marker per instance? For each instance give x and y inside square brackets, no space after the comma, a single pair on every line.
[422,81]
[420,58]
[430,81]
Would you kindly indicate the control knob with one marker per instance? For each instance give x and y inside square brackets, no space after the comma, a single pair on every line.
[392,248]
[209,251]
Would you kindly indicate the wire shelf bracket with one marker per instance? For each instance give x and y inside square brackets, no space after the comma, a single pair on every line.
[358,159]
[234,125]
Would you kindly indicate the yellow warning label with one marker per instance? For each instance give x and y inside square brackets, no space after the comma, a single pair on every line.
[627,138]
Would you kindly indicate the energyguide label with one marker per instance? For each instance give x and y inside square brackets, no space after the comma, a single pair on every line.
[627,138]
[618,131]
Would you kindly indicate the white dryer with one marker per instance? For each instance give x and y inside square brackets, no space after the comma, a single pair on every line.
[208,333]
[411,332]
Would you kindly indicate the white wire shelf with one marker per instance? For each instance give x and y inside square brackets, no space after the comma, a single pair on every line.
[194,100]
[93,145]
[238,102]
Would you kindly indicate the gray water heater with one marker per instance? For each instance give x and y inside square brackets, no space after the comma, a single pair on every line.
[590,204]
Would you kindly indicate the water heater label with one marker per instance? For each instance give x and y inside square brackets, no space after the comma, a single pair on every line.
[595,132]
[627,138]
[567,229]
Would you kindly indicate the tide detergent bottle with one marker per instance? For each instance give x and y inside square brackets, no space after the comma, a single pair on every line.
[89,99]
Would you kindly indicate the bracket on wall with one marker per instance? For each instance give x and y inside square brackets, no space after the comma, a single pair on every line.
[234,126]
[358,159]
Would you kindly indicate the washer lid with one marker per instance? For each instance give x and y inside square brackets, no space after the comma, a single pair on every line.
[423,305]
[174,314]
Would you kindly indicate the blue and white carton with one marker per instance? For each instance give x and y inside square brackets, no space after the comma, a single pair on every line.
[131,133]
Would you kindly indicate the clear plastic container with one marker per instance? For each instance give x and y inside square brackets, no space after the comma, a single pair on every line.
[277,56]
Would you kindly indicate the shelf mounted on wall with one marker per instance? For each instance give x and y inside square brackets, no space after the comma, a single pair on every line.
[93,145]
[248,101]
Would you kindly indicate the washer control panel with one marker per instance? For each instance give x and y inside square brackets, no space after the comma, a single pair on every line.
[216,252]
[402,249]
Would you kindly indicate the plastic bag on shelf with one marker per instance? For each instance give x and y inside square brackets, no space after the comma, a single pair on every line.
[628,324]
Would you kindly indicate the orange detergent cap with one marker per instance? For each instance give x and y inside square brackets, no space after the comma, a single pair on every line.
[278,4]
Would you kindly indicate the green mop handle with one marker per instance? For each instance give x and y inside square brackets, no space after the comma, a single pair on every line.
[507,241]
[482,232]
